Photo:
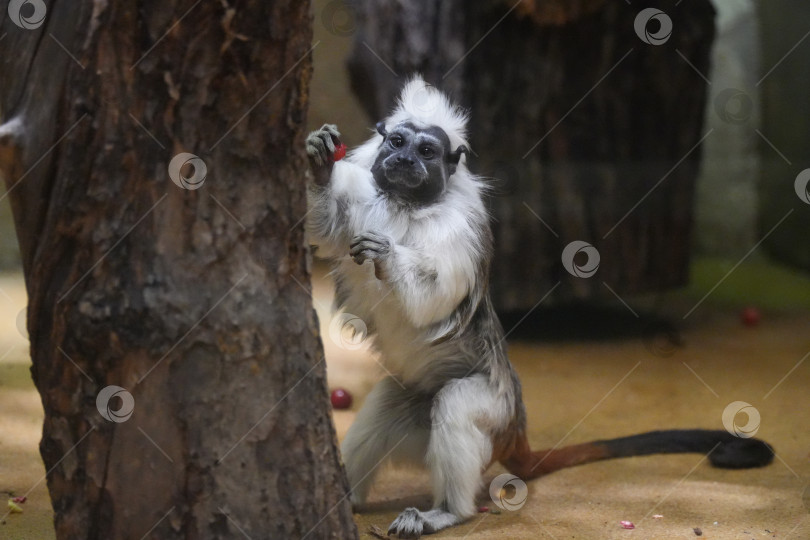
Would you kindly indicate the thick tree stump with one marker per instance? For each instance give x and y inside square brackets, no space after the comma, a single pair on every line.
[194,300]
[584,125]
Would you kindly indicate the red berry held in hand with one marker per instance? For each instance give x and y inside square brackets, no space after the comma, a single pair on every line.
[340,152]
[341,399]
[750,316]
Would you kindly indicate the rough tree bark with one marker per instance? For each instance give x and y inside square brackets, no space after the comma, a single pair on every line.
[577,118]
[194,301]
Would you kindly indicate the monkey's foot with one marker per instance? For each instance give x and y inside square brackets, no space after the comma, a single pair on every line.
[412,523]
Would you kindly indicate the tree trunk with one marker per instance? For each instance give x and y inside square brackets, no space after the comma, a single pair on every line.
[194,301]
[783,187]
[584,126]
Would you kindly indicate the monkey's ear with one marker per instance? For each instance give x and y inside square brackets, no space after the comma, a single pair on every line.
[454,157]
[381,129]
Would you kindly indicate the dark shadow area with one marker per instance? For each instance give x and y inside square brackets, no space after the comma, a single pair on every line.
[589,322]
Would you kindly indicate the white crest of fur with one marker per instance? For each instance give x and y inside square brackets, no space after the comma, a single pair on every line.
[423,105]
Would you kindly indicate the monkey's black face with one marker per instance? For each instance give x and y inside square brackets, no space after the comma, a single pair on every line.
[414,164]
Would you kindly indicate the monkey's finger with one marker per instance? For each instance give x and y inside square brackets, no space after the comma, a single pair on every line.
[375,251]
[331,135]
[403,532]
[317,144]
[312,148]
[316,159]
[314,155]
[359,258]
[364,253]
[330,144]
[370,237]
[331,129]
[371,234]
[358,240]
[367,246]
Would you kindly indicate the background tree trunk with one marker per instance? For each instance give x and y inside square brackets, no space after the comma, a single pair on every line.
[787,127]
[576,117]
[195,301]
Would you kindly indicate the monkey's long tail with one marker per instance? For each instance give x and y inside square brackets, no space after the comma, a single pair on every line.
[722,448]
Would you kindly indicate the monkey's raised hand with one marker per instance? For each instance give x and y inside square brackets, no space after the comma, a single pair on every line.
[373,246]
[321,146]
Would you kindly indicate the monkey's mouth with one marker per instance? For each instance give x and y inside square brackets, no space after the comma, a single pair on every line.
[405,183]
[403,176]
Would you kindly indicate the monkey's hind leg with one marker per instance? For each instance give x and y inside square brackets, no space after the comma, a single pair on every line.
[464,413]
[392,424]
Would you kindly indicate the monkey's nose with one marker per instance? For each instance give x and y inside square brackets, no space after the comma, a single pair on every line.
[405,161]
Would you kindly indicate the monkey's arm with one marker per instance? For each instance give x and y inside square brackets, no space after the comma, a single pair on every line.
[336,188]
[430,284]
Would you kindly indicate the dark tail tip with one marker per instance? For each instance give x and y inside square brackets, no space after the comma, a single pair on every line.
[737,453]
[723,449]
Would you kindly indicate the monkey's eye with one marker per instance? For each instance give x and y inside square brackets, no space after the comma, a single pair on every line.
[396,141]
[427,151]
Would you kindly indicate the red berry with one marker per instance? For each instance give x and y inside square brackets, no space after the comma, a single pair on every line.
[340,152]
[341,399]
[750,316]
[482,509]
[20,499]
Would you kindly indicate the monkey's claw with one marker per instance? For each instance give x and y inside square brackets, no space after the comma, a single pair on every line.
[369,246]
[321,145]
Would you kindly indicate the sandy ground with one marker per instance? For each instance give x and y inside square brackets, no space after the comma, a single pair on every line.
[574,391]
[21,469]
